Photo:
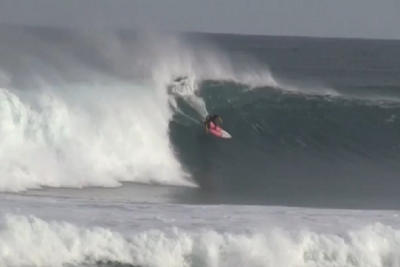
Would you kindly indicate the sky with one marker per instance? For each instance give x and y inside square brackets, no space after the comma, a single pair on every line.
[322,18]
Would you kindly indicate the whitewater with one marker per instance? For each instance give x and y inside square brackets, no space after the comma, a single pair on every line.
[81,233]
[104,160]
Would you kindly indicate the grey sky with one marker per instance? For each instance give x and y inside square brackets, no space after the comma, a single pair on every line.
[337,18]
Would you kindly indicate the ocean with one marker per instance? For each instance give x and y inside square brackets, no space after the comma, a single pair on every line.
[104,159]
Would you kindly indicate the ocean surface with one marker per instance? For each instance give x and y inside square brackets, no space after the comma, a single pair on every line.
[104,160]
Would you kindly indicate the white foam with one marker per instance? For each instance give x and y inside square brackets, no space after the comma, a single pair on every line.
[29,241]
[85,135]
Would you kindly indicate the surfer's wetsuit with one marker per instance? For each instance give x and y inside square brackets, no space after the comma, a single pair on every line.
[213,119]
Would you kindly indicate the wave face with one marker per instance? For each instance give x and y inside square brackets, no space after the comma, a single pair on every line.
[313,121]
[288,145]
[331,141]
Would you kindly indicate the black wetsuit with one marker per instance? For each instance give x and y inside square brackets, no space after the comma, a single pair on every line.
[211,118]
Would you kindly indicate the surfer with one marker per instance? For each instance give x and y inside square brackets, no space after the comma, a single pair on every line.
[211,121]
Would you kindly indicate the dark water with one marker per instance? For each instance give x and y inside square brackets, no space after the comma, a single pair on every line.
[302,149]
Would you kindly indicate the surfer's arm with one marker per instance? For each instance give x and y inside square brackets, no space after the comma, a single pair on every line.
[206,125]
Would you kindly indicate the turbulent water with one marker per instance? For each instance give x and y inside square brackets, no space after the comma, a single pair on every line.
[104,160]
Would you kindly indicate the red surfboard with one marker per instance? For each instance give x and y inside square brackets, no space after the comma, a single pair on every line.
[218,131]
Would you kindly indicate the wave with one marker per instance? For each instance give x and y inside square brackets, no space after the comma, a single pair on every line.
[95,110]
[30,241]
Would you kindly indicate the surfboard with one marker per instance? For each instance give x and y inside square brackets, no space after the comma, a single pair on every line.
[225,134]
[219,132]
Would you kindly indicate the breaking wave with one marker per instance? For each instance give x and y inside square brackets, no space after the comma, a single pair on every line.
[95,111]
[29,241]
